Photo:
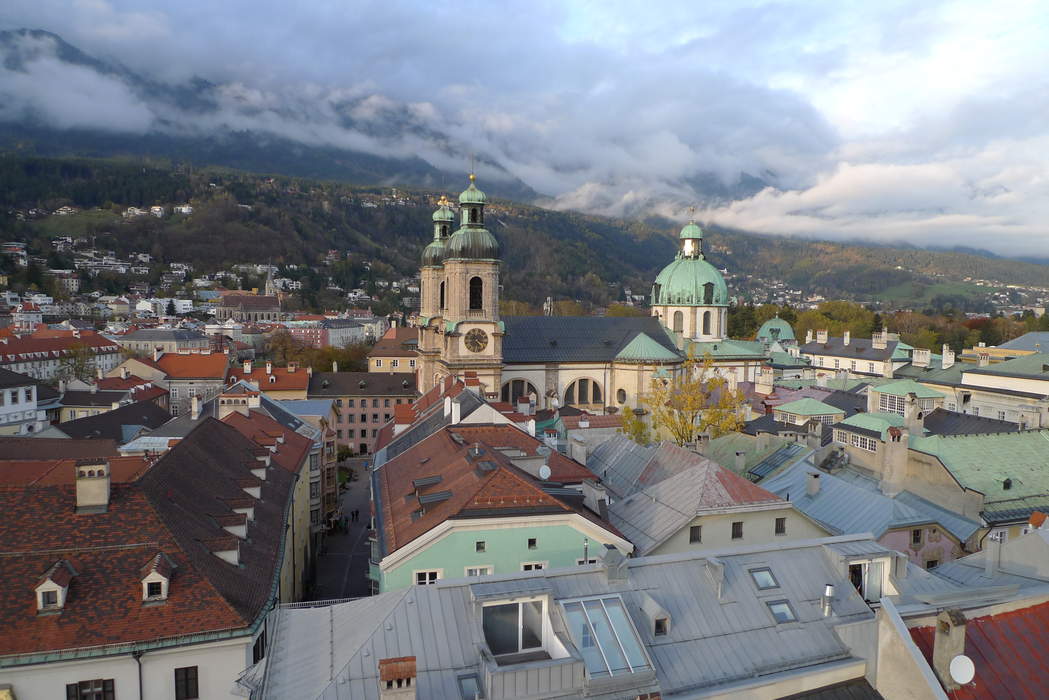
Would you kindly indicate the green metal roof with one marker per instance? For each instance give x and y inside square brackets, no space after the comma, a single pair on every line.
[723,450]
[876,422]
[808,407]
[433,253]
[691,230]
[904,387]
[443,212]
[785,359]
[902,351]
[728,348]
[472,195]
[644,349]
[984,462]
[775,329]
[683,283]
[473,244]
[1034,366]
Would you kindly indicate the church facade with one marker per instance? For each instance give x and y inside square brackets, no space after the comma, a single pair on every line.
[600,364]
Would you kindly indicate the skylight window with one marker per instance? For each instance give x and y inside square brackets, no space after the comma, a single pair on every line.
[605,636]
[764,579]
[782,611]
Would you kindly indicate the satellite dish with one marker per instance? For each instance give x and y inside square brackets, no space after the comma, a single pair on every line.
[544,472]
[962,669]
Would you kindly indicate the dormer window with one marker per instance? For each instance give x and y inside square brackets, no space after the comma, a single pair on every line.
[512,629]
[661,627]
[156,578]
[48,599]
[53,587]
[154,589]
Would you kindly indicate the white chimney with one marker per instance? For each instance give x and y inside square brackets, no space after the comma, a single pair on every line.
[948,642]
[984,359]
[334,366]
[948,356]
[124,373]
[194,408]
[921,357]
[92,485]
[821,336]
[846,338]
[157,353]
[879,339]
[808,336]
[247,366]
[269,368]
[741,462]
[812,485]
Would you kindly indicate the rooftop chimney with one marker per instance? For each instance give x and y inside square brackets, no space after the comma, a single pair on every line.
[846,338]
[397,678]
[879,339]
[269,368]
[741,462]
[92,485]
[124,373]
[812,485]
[615,563]
[808,336]
[194,408]
[98,372]
[948,642]
[921,357]
[247,366]
[334,366]
[984,359]
[821,336]
[828,598]
[991,554]
[157,353]
[948,356]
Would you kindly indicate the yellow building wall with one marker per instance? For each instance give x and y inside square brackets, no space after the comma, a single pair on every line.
[758,528]
[297,540]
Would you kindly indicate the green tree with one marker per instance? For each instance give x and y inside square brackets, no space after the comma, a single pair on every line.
[77,363]
[623,310]
[170,311]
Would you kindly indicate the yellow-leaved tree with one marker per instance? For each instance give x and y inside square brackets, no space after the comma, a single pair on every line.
[694,400]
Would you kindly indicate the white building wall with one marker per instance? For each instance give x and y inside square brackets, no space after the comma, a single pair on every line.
[218,666]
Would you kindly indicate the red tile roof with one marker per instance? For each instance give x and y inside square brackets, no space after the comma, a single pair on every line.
[292,454]
[393,340]
[610,421]
[1010,651]
[32,348]
[171,509]
[194,366]
[37,448]
[279,378]
[562,468]
[57,472]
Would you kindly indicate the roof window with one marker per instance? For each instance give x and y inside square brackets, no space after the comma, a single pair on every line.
[605,636]
[764,579]
[782,611]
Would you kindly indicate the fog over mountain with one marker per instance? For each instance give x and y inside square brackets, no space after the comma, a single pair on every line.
[877,121]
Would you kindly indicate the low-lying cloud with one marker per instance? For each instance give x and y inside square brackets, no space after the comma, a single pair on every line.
[884,123]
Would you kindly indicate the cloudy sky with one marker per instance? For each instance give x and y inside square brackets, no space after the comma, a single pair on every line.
[893,121]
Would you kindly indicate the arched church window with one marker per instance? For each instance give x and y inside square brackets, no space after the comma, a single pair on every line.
[656,288]
[444,230]
[474,215]
[708,293]
[476,296]
[706,323]
[441,295]
[679,322]
[516,388]
[583,391]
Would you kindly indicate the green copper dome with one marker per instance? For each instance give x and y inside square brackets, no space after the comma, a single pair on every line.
[775,329]
[443,212]
[691,230]
[433,254]
[690,280]
[473,243]
[472,195]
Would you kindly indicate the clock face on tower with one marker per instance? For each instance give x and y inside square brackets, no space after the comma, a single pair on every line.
[476,340]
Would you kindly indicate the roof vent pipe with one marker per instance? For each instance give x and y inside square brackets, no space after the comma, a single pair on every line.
[828,598]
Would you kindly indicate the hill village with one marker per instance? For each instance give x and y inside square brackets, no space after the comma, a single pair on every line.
[496,506]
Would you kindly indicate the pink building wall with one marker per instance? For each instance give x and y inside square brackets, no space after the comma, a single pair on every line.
[936,545]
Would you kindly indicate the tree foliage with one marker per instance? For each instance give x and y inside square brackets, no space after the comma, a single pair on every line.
[696,399]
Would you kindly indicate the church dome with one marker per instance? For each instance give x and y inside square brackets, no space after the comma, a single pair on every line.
[433,254]
[775,329]
[690,280]
[472,195]
[443,212]
[473,243]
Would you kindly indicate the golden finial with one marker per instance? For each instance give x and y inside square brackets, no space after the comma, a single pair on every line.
[472,177]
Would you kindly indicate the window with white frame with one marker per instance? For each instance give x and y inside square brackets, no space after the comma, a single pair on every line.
[98,689]
[395,363]
[479,571]
[1001,415]
[378,363]
[584,562]
[889,403]
[605,636]
[841,436]
[864,443]
[837,363]
[428,577]
[870,367]
[533,565]
[411,363]
[513,628]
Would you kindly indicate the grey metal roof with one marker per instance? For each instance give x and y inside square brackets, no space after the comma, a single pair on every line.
[858,348]
[163,335]
[851,503]
[336,384]
[431,422]
[333,652]
[121,424]
[533,339]
[1035,341]
[626,467]
[858,689]
[940,421]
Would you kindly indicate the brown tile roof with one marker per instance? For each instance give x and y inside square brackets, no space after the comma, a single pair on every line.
[611,421]
[171,510]
[292,454]
[424,406]
[254,302]
[332,384]
[54,448]
[393,343]
[59,472]
[562,468]
[194,366]
[31,348]
[279,379]
[394,669]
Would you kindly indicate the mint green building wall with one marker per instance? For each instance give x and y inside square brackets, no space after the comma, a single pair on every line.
[505,550]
